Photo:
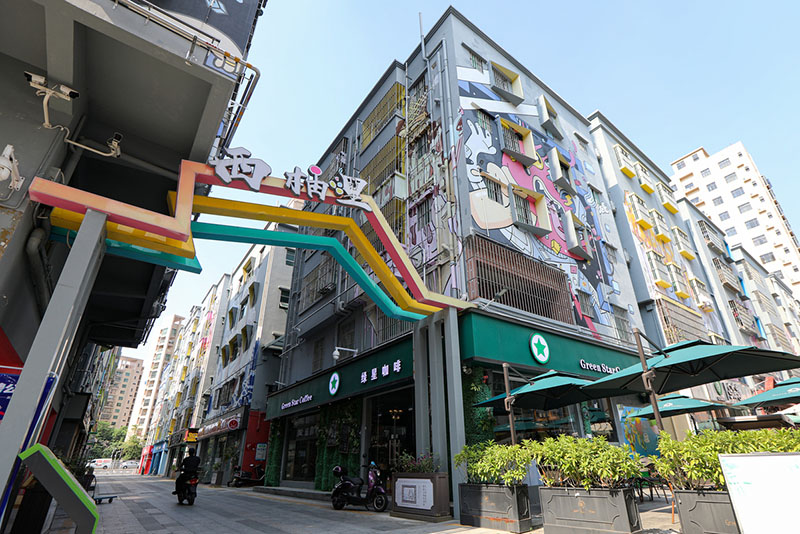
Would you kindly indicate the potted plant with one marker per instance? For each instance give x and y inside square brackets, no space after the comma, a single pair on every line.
[587,485]
[419,492]
[693,469]
[493,495]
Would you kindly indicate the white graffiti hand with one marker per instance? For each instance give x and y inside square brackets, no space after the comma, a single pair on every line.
[479,141]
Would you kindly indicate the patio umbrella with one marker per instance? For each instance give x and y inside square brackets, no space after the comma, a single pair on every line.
[786,392]
[694,363]
[676,405]
[545,392]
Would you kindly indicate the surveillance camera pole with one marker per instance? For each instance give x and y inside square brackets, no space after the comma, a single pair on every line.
[509,402]
[647,378]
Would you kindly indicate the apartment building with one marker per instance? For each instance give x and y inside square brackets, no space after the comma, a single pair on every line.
[145,403]
[491,183]
[728,187]
[120,402]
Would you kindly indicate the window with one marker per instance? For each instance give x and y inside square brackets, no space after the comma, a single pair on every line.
[705,172]
[585,300]
[523,210]
[724,163]
[316,362]
[611,253]
[717,201]
[745,207]
[769,215]
[712,186]
[284,300]
[476,61]
[695,157]
[290,256]
[512,139]
[689,186]
[494,190]
[622,323]
[502,81]
[737,192]
[485,121]
[786,250]
[119,404]
[777,232]
[730,231]
[759,240]
[724,216]
[766,258]
[681,164]
[752,223]
[731,177]
[695,200]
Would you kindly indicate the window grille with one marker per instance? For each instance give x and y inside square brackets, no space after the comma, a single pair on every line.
[523,207]
[502,81]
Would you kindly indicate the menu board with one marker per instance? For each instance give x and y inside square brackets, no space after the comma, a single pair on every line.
[764,489]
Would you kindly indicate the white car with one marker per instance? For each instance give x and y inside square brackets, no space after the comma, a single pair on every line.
[100,463]
[129,464]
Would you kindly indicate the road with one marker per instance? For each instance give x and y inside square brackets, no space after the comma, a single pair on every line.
[146,505]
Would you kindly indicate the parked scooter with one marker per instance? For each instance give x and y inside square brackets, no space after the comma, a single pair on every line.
[348,490]
[189,491]
[253,477]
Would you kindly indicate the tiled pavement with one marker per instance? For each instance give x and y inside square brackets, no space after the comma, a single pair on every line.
[146,505]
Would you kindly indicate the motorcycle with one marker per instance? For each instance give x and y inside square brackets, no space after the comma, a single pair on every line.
[189,491]
[348,490]
[246,478]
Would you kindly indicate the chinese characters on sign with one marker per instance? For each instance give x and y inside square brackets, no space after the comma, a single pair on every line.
[372,374]
[240,166]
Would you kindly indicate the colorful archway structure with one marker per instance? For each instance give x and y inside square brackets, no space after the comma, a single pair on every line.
[143,235]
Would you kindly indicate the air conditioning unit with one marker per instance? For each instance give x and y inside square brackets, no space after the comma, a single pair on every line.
[327,288]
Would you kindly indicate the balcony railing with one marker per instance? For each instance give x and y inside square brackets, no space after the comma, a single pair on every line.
[660,228]
[643,175]
[713,240]
[624,161]
[678,281]
[667,197]
[726,275]
[702,298]
[681,240]
[658,270]
[640,214]
[744,319]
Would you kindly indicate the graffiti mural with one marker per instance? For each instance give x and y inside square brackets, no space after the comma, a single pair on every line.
[486,162]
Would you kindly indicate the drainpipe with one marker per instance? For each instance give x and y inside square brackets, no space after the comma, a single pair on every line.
[41,282]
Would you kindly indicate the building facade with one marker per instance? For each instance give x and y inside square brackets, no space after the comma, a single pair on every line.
[728,187]
[121,398]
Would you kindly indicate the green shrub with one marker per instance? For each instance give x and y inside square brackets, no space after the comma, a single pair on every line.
[694,462]
[406,463]
[580,462]
[492,463]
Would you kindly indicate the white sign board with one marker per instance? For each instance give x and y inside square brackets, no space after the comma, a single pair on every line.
[414,493]
[764,489]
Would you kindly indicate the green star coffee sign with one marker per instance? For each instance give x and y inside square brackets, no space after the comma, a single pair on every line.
[333,384]
[539,349]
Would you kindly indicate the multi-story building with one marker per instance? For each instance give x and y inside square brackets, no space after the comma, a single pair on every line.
[119,405]
[151,379]
[93,89]
[490,181]
[789,310]
[728,187]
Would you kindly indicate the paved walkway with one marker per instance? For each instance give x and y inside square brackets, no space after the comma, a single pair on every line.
[146,505]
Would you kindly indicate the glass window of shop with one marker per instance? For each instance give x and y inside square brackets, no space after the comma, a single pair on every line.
[301,448]
[391,427]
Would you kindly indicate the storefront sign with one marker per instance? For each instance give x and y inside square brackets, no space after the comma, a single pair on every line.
[493,340]
[358,375]
[598,368]
[175,439]
[191,435]
[414,493]
[226,423]
[261,452]
[8,383]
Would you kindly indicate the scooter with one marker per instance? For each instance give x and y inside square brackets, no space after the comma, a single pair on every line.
[189,491]
[246,478]
[348,490]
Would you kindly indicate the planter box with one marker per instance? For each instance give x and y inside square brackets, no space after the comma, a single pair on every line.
[495,506]
[216,479]
[706,511]
[423,496]
[593,511]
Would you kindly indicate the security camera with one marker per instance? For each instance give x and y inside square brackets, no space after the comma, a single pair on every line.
[35,78]
[67,91]
[117,137]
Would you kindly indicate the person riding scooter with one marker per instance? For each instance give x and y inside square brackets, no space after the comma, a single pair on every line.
[189,468]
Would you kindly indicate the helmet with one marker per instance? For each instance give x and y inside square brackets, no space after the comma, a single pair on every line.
[338,471]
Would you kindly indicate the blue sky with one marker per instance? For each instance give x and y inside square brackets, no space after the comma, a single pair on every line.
[671,75]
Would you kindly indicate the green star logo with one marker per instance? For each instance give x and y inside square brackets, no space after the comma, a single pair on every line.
[333,384]
[539,349]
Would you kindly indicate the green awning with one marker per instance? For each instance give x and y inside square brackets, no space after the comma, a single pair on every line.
[787,392]
[676,405]
[545,392]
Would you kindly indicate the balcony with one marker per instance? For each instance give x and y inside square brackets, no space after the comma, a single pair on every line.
[660,228]
[702,298]
[658,270]
[744,319]
[726,275]
[678,278]
[624,161]
[643,175]
[666,197]
[517,142]
[640,214]
[560,175]
[713,240]
[681,240]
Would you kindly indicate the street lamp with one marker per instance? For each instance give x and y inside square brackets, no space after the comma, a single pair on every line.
[337,352]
